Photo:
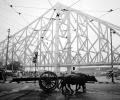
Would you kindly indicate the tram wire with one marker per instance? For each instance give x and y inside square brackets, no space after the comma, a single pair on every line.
[74,3]
[106,13]
[30,7]
[50,3]
[18,13]
[10,25]
[6,17]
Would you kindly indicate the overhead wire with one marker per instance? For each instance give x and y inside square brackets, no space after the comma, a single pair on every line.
[28,14]
[74,3]
[18,13]
[30,7]
[25,13]
[111,10]
[98,11]
[6,18]
[7,22]
[50,3]
[107,12]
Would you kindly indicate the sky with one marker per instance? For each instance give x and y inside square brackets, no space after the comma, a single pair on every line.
[16,14]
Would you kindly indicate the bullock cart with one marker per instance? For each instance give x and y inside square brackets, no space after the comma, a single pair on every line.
[48,81]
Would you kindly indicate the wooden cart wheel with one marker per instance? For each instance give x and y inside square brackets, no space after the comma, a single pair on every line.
[48,81]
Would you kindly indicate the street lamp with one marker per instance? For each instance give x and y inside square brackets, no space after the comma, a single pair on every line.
[7,48]
[111,32]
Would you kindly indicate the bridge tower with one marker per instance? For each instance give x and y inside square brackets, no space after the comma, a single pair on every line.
[64,37]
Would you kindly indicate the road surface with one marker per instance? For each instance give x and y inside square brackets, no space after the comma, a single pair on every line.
[31,91]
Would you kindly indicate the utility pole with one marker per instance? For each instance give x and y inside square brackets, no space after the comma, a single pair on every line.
[7,49]
[12,55]
[111,32]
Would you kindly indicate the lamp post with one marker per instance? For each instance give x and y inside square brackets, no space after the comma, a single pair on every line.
[7,48]
[111,32]
[12,56]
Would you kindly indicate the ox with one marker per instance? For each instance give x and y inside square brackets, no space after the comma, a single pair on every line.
[78,79]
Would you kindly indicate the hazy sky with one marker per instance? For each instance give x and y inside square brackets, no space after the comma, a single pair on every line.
[29,10]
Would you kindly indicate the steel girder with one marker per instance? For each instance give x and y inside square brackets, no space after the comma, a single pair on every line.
[64,37]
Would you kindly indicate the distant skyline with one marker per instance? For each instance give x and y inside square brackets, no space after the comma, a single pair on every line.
[16,14]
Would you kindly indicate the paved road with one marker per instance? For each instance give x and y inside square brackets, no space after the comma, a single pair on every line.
[31,91]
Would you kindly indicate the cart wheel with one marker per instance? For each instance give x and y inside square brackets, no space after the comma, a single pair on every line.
[48,81]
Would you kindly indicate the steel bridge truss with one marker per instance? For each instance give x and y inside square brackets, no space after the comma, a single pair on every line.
[63,36]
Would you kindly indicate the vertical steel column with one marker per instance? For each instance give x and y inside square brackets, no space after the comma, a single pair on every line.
[87,41]
[111,32]
[52,58]
[44,61]
[38,42]
[107,44]
[40,60]
[99,32]
[25,48]
[77,42]
[57,41]
[68,43]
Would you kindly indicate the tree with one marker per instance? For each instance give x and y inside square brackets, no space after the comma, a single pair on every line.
[15,65]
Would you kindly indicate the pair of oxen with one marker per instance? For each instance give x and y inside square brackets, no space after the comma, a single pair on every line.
[78,79]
